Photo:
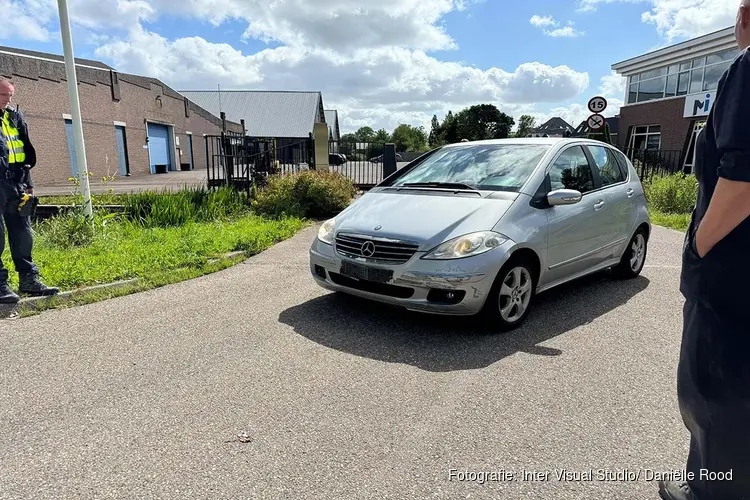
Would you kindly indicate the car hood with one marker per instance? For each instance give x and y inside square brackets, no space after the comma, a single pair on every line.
[425,218]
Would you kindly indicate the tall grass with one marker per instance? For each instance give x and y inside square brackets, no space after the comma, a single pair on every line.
[196,204]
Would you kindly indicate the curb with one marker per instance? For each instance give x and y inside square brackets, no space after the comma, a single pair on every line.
[10,311]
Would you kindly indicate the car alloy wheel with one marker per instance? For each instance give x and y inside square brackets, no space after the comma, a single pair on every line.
[515,294]
[637,252]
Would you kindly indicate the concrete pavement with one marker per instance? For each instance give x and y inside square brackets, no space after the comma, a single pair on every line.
[360,172]
[144,396]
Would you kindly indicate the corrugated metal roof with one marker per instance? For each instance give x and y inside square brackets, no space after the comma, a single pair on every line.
[332,120]
[266,113]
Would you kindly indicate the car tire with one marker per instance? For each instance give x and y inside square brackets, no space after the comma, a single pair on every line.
[495,315]
[634,257]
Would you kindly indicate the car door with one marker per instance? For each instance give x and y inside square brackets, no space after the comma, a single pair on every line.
[617,195]
[574,231]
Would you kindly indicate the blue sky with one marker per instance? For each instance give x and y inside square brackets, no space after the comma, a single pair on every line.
[382,63]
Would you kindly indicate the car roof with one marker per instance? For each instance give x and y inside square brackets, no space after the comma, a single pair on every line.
[544,141]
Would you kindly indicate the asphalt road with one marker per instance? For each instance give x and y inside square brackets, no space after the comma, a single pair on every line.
[144,396]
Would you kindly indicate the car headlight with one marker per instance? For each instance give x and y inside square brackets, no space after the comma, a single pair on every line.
[467,245]
[325,233]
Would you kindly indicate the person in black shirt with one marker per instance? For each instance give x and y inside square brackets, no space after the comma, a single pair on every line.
[713,375]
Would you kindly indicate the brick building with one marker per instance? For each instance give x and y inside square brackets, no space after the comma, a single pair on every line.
[670,92]
[132,125]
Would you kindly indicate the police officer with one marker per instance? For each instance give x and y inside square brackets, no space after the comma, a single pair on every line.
[17,157]
[713,374]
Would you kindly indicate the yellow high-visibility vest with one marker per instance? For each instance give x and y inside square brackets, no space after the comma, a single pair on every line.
[13,139]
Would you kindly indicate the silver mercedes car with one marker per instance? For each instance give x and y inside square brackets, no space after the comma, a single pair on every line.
[480,228]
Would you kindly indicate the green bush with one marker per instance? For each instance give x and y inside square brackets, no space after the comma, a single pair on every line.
[672,194]
[72,228]
[305,194]
[197,204]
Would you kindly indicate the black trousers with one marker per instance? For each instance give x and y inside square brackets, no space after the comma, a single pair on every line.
[20,237]
[713,376]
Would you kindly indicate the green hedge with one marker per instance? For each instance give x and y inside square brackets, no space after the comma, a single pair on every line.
[672,194]
[307,194]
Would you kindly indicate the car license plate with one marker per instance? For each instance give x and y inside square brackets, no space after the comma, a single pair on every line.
[359,272]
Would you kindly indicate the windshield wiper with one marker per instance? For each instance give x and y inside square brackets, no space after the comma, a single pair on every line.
[448,185]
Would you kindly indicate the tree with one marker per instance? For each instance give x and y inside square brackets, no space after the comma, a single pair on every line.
[482,121]
[382,135]
[526,124]
[365,134]
[435,139]
[449,129]
[409,138]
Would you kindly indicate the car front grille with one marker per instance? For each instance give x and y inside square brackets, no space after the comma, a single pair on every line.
[375,249]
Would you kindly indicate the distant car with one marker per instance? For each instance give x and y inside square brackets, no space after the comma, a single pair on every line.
[378,159]
[336,159]
[482,227]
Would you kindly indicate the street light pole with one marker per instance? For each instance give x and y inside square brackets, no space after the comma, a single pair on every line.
[75,105]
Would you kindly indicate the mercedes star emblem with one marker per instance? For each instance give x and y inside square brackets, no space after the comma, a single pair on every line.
[368,248]
[378,227]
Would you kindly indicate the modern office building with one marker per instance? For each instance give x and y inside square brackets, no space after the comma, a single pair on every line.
[670,92]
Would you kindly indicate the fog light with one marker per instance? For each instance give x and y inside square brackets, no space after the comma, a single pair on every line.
[445,296]
[320,271]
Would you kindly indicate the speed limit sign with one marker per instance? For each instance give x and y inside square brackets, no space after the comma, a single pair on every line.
[597,104]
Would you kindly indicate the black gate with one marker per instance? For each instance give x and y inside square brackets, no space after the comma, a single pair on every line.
[655,162]
[240,161]
[360,161]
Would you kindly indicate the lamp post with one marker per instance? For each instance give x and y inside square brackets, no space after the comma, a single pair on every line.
[75,105]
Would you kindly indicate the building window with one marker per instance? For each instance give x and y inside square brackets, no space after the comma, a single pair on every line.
[646,137]
[689,77]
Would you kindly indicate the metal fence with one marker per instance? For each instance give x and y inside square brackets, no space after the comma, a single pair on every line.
[360,161]
[240,161]
[655,162]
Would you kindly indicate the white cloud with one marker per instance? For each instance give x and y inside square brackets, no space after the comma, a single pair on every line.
[541,22]
[544,22]
[678,19]
[375,86]
[689,18]
[30,20]
[371,60]
[611,87]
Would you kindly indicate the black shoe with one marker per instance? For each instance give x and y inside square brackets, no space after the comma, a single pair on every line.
[676,490]
[7,296]
[30,285]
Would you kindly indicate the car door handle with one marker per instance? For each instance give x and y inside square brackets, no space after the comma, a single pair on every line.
[630,192]
[599,205]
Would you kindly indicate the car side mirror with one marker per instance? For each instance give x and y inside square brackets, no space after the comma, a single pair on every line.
[564,197]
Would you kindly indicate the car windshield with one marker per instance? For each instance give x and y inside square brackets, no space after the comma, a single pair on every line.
[498,167]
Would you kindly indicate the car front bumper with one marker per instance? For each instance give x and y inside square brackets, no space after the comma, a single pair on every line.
[454,287]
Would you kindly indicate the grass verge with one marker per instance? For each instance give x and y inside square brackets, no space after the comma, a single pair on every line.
[679,222]
[156,256]
[155,280]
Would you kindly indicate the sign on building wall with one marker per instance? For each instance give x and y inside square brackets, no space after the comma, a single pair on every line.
[698,104]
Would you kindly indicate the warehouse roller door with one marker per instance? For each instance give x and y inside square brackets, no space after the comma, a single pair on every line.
[158,148]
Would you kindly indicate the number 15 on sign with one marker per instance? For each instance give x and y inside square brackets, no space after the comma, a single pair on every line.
[597,104]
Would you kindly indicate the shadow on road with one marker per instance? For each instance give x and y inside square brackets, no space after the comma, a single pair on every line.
[440,343]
